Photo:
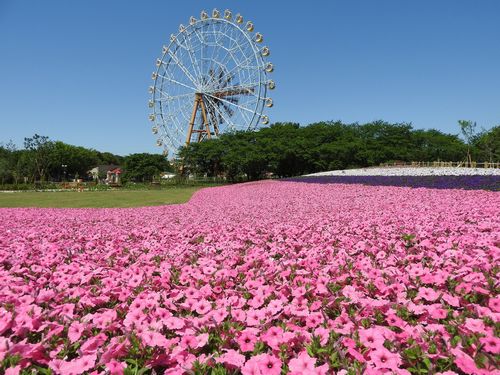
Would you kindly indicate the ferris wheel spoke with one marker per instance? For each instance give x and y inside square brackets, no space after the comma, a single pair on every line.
[216,107]
[179,109]
[243,51]
[197,33]
[245,87]
[170,117]
[181,66]
[192,56]
[232,50]
[167,97]
[233,104]
[176,82]
[232,41]
[239,65]
[178,127]
[214,48]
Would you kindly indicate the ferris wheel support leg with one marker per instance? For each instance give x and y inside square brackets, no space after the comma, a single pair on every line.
[193,117]
[204,116]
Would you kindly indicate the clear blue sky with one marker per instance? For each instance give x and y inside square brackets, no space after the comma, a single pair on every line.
[78,71]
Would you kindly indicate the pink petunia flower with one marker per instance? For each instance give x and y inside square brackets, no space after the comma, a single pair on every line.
[490,344]
[303,364]
[5,320]
[203,307]
[384,359]
[174,323]
[219,315]
[314,320]
[75,331]
[451,300]
[246,341]
[269,364]
[232,358]
[428,294]
[437,312]
[13,370]
[189,342]
[273,337]
[371,338]
[465,363]
[494,304]
[115,367]
[323,334]
[474,325]
[251,367]
[275,306]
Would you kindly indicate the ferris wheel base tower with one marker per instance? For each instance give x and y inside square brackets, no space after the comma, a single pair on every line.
[204,129]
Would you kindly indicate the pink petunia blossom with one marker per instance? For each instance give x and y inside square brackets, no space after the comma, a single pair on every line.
[314,320]
[75,331]
[490,344]
[371,337]
[203,307]
[251,367]
[465,363]
[115,367]
[232,358]
[474,325]
[273,337]
[382,358]
[246,341]
[494,304]
[13,370]
[302,364]
[428,294]
[268,364]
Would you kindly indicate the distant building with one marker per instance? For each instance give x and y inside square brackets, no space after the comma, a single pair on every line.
[113,176]
[108,174]
[167,175]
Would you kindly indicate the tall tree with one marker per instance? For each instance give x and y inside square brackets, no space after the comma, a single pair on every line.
[487,145]
[468,129]
[40,148]
[145,167]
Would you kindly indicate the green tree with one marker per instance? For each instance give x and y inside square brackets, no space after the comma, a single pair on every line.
[487,145]
[7,162]
[40,148]
[468,129]
[433,145]
[144,167]
[78,160]
[287,149]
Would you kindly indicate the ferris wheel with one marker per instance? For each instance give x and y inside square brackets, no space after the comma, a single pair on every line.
[211,78]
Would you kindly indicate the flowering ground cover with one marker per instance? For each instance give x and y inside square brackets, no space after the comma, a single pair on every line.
[261,278]
[471,182]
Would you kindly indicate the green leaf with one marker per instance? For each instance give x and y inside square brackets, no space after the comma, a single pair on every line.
[427,363]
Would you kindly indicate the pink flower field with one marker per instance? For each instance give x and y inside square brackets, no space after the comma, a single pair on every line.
[258,278]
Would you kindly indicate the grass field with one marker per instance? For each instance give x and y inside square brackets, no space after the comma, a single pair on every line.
[110,198]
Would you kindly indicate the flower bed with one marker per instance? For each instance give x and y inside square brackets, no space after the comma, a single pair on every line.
[470,182]
[261,278]
[412,171]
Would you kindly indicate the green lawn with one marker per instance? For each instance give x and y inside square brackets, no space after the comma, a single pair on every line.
[110,198]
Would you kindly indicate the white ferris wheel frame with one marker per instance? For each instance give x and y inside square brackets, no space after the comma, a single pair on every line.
[170,123]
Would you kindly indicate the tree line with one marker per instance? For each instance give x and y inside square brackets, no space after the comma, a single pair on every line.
[281,150]
[45,160]
[287,149]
